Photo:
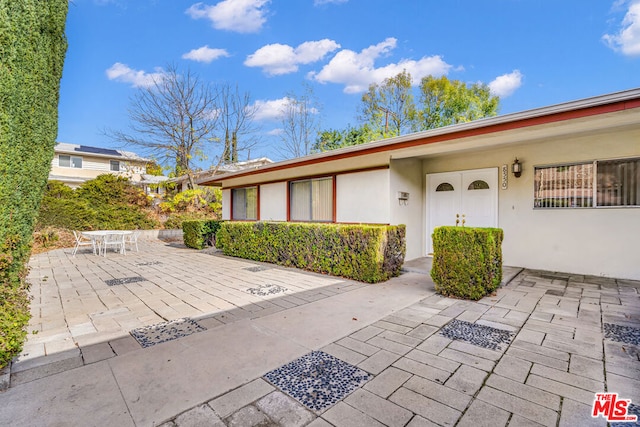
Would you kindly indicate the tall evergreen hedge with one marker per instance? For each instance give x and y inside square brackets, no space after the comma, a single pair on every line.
[32,51]
[367,253]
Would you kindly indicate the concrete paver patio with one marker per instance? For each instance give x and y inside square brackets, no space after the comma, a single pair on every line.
[535,353]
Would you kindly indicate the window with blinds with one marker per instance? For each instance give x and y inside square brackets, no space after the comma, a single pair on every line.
[311,200]
[244,203]
[618,182]
[601,183]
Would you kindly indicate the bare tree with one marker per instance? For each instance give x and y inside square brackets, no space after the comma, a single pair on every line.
[299,124]
[174,119]
[235,114]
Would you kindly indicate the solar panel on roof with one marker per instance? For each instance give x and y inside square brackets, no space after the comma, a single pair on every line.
[97,150]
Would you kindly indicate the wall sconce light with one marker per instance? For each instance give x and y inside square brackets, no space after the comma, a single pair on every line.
[516,168]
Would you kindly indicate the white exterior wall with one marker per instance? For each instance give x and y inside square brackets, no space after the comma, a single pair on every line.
[226,204]
[406,176]
[273,202]
[363,197]
[595,241]
[92,167]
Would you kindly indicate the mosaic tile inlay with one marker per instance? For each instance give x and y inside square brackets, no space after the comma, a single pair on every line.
[632,409]
[480,335]
[318,380]
[256,268]
[124,280]
[625,334]
[266,290]
[142,264]
[167,331]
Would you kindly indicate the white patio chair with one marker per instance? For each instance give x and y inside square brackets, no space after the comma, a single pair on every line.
[82,241]
[114,240]
[132,239]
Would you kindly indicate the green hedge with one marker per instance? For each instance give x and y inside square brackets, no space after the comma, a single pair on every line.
[107,202]
[32,50]
[367,253]
[199,234]
[467,261]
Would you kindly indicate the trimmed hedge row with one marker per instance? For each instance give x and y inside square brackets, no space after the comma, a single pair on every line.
[367,253]
[467,261]
[32,50]
[198,234]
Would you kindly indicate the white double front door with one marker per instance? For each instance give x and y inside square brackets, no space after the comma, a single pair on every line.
[470,196]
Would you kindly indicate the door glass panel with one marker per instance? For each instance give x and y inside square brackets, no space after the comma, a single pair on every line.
[478,185]
[445,186]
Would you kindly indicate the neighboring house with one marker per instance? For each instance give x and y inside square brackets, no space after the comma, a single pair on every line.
[182,182]
[75,164]
[153,184]
[574,208]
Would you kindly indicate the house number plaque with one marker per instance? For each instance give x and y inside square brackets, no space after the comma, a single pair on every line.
[505,176]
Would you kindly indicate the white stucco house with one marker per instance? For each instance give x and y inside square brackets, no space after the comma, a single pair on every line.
[574,208]
[74,164]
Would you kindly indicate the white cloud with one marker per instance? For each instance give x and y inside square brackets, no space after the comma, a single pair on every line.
[357,70]
[627,40]
[271,109]
[242,16]
[322,2]
[276,132]
[205,54]
[275,59]
[506,84]
[137,78]
[274,109]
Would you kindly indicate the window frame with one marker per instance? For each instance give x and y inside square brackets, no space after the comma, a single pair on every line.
[112,163]
[71,161]
[332,199]
[594,182]
[233,208]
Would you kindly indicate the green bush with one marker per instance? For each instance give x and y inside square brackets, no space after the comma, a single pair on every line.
[199,234]
[14,316]
[175,220]
[107,202]
[32,50]
[467,261]
[367,253]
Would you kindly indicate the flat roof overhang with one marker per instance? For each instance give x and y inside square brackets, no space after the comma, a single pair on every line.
[618,110]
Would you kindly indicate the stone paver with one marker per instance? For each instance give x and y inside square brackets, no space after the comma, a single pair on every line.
[547,374]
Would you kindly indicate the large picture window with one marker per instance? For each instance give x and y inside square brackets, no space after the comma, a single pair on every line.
[601,183]
[244,203]
[70,162]
[311,200]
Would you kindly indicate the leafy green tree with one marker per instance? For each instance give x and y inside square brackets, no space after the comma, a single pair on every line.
[445,102]
[332,139]
[32,50]
[389,108]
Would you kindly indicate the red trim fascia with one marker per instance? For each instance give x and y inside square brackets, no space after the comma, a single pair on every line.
[258,203]
[335,198]
[495,128]
[288,201]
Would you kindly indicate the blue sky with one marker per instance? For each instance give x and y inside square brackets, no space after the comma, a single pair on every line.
[532,53]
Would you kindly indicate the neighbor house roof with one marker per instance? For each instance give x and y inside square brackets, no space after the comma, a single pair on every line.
[224,169]
[567,118]
[65,148]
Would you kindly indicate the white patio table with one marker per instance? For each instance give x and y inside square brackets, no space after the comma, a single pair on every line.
[100,236]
